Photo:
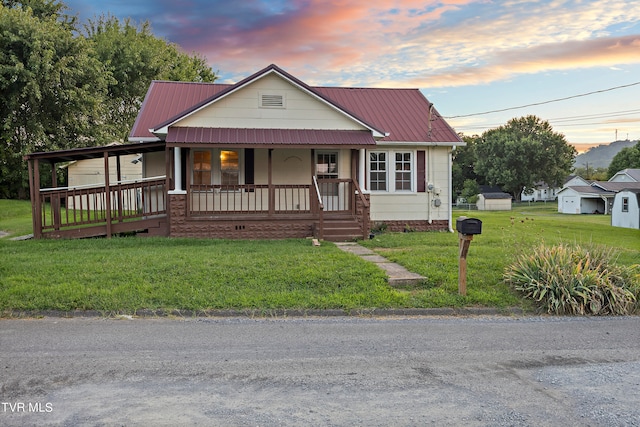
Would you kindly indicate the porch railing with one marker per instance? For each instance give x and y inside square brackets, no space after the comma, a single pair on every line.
[250,198]
[335,195]
[65,207]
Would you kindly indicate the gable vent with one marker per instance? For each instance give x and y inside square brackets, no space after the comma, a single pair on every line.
[269,100]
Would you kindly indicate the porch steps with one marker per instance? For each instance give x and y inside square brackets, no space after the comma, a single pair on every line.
[341,229]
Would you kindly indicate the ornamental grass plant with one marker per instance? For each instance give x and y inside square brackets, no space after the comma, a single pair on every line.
[576,280]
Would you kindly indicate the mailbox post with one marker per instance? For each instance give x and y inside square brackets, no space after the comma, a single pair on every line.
[467,228]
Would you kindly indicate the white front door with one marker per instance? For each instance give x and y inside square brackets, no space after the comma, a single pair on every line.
[327,168]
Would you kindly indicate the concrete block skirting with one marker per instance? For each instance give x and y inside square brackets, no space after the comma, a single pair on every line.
[413,225]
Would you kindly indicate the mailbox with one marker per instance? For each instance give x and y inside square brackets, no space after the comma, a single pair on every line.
[468,226]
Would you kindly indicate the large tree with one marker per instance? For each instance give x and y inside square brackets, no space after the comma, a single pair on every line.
[522,152]
[134,57]
[60,88]
[627,158]
[51,87]
[464,160]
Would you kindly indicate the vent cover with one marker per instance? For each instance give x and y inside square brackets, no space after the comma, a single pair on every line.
[271,100]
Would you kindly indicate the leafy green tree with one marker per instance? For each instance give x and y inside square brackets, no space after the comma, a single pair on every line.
[464,159]
[522,152]
[134,57]
[592,174]
[62,89]
[627,158]
[470,190]
[51,88]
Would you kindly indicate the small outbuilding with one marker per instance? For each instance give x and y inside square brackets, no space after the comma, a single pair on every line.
[494,201]
[626,209]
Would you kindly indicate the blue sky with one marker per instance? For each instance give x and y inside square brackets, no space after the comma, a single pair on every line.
[467,56]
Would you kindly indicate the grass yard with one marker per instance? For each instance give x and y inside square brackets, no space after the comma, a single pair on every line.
[504,236]
[128,274]
[15,217]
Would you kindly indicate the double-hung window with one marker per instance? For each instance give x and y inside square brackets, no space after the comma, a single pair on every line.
[399,163]
[202,167]
[378,171]
[214,166]
[403,171]
[625,204]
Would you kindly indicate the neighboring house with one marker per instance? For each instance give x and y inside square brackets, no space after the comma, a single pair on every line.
[626,175]
[626,209]
[497,201]
[89,173]
[272,157]
[598,196]
[540,193]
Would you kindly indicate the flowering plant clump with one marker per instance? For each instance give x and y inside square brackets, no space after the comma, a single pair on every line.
[572,279]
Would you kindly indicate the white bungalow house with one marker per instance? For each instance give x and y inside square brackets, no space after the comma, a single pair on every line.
[596,197]
[626,209]
[273,157]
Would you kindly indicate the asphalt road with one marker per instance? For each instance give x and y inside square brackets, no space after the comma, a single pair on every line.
[474,371]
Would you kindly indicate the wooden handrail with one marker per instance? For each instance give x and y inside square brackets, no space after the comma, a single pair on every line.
[320,209]
[363,199]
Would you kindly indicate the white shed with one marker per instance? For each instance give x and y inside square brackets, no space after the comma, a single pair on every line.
[626,209]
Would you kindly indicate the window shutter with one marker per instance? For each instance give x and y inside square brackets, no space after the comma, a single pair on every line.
[248,166]
[422,172]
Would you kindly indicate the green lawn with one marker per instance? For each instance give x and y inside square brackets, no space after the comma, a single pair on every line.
[15,217]
[504,236]
[127,274]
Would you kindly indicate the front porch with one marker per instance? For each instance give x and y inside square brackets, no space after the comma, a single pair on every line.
[326,208]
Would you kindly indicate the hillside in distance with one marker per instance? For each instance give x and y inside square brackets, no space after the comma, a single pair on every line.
[601,156]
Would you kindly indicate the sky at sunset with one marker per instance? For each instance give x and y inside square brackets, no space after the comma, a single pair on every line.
[575,63]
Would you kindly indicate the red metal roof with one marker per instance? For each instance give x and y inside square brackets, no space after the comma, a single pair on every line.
[402,113]
[272,137]
[165,100]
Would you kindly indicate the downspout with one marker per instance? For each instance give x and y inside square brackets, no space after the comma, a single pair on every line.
[450,189]
[430,186]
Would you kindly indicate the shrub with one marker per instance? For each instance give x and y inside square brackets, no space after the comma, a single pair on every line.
[572,279]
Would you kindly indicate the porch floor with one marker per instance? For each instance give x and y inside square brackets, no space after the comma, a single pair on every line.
[397,274]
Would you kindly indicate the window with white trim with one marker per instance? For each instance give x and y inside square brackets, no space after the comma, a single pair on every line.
[391,171]
[403,171]
[625,204]
[378,171]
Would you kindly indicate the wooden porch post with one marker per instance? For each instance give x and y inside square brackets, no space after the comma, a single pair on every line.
[187,184]
[119,179]
[354,178]
[55,198]
[272,194]
[36,208]
[107,190]
[39,207]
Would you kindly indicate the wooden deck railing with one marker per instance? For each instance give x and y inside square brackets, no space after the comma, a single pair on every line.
[66,207]
[337,195]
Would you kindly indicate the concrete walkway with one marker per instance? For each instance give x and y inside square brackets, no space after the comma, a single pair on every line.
[397,274]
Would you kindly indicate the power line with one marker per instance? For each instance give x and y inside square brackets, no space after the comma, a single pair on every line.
[544,102]
[562,121]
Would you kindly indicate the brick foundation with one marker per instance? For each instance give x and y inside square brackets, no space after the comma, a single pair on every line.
[413,225]
[270,228]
